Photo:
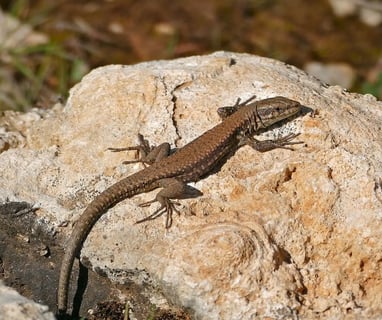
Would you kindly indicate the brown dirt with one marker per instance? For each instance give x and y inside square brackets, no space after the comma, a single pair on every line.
[129,31]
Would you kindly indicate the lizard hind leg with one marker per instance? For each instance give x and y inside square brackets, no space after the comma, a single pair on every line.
[147,153]
[172,189]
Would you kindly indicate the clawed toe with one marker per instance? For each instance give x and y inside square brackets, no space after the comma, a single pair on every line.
[168,208]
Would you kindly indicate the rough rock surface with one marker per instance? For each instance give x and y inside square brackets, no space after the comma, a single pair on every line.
[15,307]
[279,235]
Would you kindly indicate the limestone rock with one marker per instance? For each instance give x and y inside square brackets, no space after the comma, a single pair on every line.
[282,234]
[15,307]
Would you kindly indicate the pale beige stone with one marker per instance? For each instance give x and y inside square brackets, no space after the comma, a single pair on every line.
[13,306]
[278,235]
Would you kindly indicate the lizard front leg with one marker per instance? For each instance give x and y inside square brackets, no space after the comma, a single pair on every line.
[225,112]
[172,189]
[267,145]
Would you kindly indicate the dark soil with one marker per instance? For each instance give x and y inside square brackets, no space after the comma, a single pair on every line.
[30,260]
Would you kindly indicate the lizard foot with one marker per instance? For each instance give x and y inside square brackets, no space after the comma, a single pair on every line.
[167,207]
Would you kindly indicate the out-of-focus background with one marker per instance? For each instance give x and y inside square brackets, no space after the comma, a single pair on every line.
[47,46]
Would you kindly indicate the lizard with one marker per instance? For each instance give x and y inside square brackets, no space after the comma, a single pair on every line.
[172,172]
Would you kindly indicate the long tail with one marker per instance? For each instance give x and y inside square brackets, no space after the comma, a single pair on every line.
[104,201]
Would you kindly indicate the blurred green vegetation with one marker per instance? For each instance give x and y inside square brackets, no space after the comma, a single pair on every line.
[34,74]
[374,88]
[82,36]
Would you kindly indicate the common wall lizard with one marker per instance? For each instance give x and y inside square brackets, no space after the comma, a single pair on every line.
[194,161]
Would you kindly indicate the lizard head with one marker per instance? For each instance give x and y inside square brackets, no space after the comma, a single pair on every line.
[272,110]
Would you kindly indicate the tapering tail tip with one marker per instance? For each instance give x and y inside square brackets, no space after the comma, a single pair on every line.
[62,315]
[61,310]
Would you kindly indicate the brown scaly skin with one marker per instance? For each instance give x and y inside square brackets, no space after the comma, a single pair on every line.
[188,164]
